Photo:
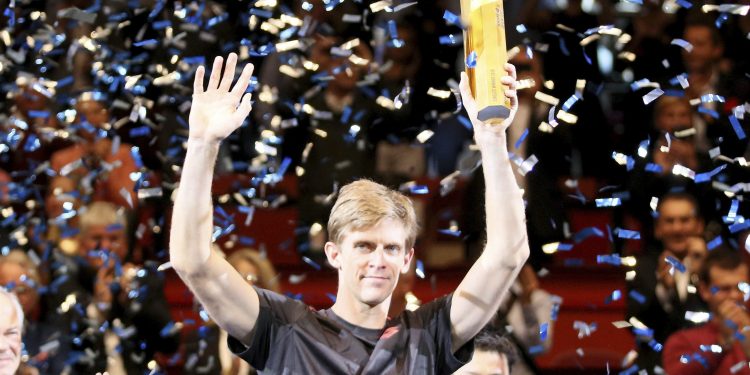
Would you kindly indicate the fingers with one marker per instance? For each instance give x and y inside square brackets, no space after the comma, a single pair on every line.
[244,81]
[511,70]
[466,97]
[244,108]
[198,82]
[213,82]
[228,77]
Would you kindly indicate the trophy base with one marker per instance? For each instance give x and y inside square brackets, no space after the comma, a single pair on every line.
[494,112]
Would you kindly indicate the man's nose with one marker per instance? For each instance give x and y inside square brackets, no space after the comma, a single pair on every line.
[377,257]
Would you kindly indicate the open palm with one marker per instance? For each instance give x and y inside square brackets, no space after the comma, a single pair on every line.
[217,111]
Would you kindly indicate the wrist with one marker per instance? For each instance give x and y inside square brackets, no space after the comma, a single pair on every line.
[203,142]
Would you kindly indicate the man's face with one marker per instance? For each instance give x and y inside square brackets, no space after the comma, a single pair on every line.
[724,285]
[370,261]
[674,117]
[676,223]
[100,237]
[10,337]
[705,52]
[27,295]
[485,363]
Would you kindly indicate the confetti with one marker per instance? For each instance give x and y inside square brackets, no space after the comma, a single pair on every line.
[77,14]
[682,43]
[471,60]
[584,329]
[608,202]
[652,95]
[737,127]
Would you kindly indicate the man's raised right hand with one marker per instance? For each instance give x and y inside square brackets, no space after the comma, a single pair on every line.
[217,111]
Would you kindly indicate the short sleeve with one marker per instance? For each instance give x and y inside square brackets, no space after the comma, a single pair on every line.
[435,318]
[277,313]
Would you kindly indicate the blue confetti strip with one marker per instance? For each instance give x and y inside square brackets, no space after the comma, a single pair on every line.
[653,168]
[543,331]
[736,227]
[612,259]
[471,60]
[675,263]
[714,243]
[608,202]
[707,176]
[521,138]
[710,112]
[586,233]
[737,127]
[640,298]
[449,39]
[452,19]
[627,234]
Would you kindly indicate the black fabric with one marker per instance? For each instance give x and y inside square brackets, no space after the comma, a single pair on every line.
[291,338]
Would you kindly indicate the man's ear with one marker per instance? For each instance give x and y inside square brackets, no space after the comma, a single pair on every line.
[333,254]
[407,260]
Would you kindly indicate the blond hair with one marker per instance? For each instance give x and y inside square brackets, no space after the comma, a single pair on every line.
[20,258]
[363,204]
[267,277]
[101,213]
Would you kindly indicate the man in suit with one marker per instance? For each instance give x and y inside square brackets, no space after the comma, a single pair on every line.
[663,288]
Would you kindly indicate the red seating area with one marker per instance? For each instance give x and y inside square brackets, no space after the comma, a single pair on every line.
[583,289]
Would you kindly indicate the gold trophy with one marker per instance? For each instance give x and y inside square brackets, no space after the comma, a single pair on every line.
[484,34]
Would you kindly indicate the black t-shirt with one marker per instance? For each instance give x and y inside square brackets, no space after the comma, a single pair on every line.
[291,338]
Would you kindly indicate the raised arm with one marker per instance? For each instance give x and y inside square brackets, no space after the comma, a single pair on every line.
[478,296]
[215,113]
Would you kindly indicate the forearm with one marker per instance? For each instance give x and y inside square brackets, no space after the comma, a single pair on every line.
[229,300]
[506,220]
[190,236]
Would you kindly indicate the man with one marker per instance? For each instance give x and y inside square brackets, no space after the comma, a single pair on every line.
[115,293]
[493,354]
[721,345]
[661,292]
[46,339]
[372,231]
[11,323]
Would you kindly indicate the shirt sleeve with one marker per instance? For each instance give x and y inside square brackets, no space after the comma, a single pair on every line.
[436,320]
[696,361]
[276,314]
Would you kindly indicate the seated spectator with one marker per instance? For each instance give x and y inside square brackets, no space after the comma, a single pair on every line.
[206,349]
[702,64]
[117,293]
[523,312]
[100,168]
[11,325]
[45,340]
[719,346]
[661,291]
[493,354]
[673,143]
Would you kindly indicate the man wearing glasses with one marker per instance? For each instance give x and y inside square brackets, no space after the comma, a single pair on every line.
[719,346]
